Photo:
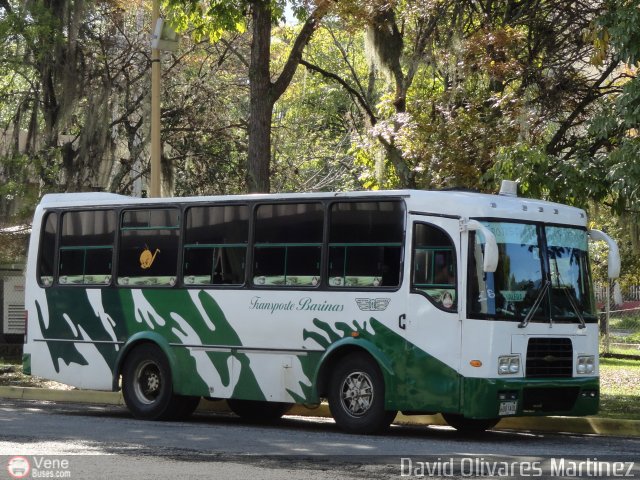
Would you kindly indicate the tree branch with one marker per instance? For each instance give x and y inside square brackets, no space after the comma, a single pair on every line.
[345,58]
[553,145]
[235,51]
[361,101]
[302,40]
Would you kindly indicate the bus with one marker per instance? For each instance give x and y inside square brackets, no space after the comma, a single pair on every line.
[475,306]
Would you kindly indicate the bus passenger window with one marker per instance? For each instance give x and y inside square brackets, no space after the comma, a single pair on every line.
[434,266]
[288,244]
[47,249]
[148,252]
[215,246]
[86,247]
[365,244]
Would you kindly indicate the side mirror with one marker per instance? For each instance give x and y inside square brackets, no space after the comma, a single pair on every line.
[613,259]
[490,245]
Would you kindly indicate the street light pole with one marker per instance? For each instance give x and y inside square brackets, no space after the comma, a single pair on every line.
[154,187]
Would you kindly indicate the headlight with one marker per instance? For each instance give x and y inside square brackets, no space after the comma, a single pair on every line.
[586,365]
[508,364]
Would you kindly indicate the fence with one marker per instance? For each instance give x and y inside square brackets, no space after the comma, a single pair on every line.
[620,330]
[629,293]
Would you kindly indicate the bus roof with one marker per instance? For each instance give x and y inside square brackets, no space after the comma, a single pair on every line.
[453,203]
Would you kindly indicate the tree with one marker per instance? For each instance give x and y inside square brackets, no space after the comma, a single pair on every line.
[315,121]
[92,134]
[469,82]
[218,17]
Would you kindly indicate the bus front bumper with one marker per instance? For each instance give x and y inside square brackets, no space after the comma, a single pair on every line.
[497,397]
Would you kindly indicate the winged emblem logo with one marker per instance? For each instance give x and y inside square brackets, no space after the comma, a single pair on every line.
[373,304]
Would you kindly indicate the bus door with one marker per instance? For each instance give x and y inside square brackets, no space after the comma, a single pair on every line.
[432,325]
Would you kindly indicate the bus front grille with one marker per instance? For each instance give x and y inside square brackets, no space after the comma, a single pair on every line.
[549,358]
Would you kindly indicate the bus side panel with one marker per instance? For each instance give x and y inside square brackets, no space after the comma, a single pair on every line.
[226,348]
[68,341]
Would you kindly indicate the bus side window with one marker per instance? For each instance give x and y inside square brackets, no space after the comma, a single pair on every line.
[365,244]
[288,244]
[148,252]
[215,246]
[434,265]
[47,249]
[86,247]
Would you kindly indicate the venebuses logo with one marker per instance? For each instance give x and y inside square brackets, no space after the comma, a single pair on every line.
[18,467]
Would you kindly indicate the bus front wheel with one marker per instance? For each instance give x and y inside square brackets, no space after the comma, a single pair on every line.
[356,396]
[469,425]
[146,383]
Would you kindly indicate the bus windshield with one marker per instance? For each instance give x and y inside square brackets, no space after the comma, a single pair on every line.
[542,275]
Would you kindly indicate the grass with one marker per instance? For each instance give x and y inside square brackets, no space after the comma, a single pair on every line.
[621,349]
[620,388]
[627,322]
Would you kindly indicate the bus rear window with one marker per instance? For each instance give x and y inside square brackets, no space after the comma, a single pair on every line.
[47,249]
[86,247]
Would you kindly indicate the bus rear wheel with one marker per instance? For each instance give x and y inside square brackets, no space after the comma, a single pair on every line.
[469,425]
[146,383]
[356,396]
[258,410]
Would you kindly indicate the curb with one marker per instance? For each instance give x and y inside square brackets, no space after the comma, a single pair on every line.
[579,425]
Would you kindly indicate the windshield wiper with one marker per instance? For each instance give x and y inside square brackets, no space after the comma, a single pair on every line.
[572,302]
[535,305]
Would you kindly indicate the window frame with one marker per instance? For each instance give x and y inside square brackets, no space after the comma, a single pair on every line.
[413,289]
[183,245]
[60,247]
[118,246]
[402,245]
[56,242]
[183,206]
[251,276]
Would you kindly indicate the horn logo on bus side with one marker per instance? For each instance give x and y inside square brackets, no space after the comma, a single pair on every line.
[147,258]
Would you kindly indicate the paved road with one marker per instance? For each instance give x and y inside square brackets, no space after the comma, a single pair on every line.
[225,447]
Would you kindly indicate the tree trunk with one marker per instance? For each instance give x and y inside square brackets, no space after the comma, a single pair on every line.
[261,102]
[264,93]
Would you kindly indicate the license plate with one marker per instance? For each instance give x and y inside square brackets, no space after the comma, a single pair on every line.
[508,408]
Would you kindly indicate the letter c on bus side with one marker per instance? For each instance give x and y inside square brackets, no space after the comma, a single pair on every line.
[402,321]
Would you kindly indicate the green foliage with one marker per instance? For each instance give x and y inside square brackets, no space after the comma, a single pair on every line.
[621,24]
[207,20]
[320,114]
[214,18]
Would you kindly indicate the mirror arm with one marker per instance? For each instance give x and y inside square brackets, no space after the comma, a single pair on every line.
[613,259]
[490,263]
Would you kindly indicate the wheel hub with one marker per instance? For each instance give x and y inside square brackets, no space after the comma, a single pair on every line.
[148,382]
[357,394]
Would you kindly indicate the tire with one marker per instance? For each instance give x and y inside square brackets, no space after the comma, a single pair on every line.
[258,410]
[469,425]
[147,384]
[356,396]
[181,408]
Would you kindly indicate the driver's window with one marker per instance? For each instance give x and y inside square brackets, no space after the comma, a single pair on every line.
[434,265]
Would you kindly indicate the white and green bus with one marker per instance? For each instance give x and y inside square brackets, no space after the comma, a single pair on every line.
[474,306]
